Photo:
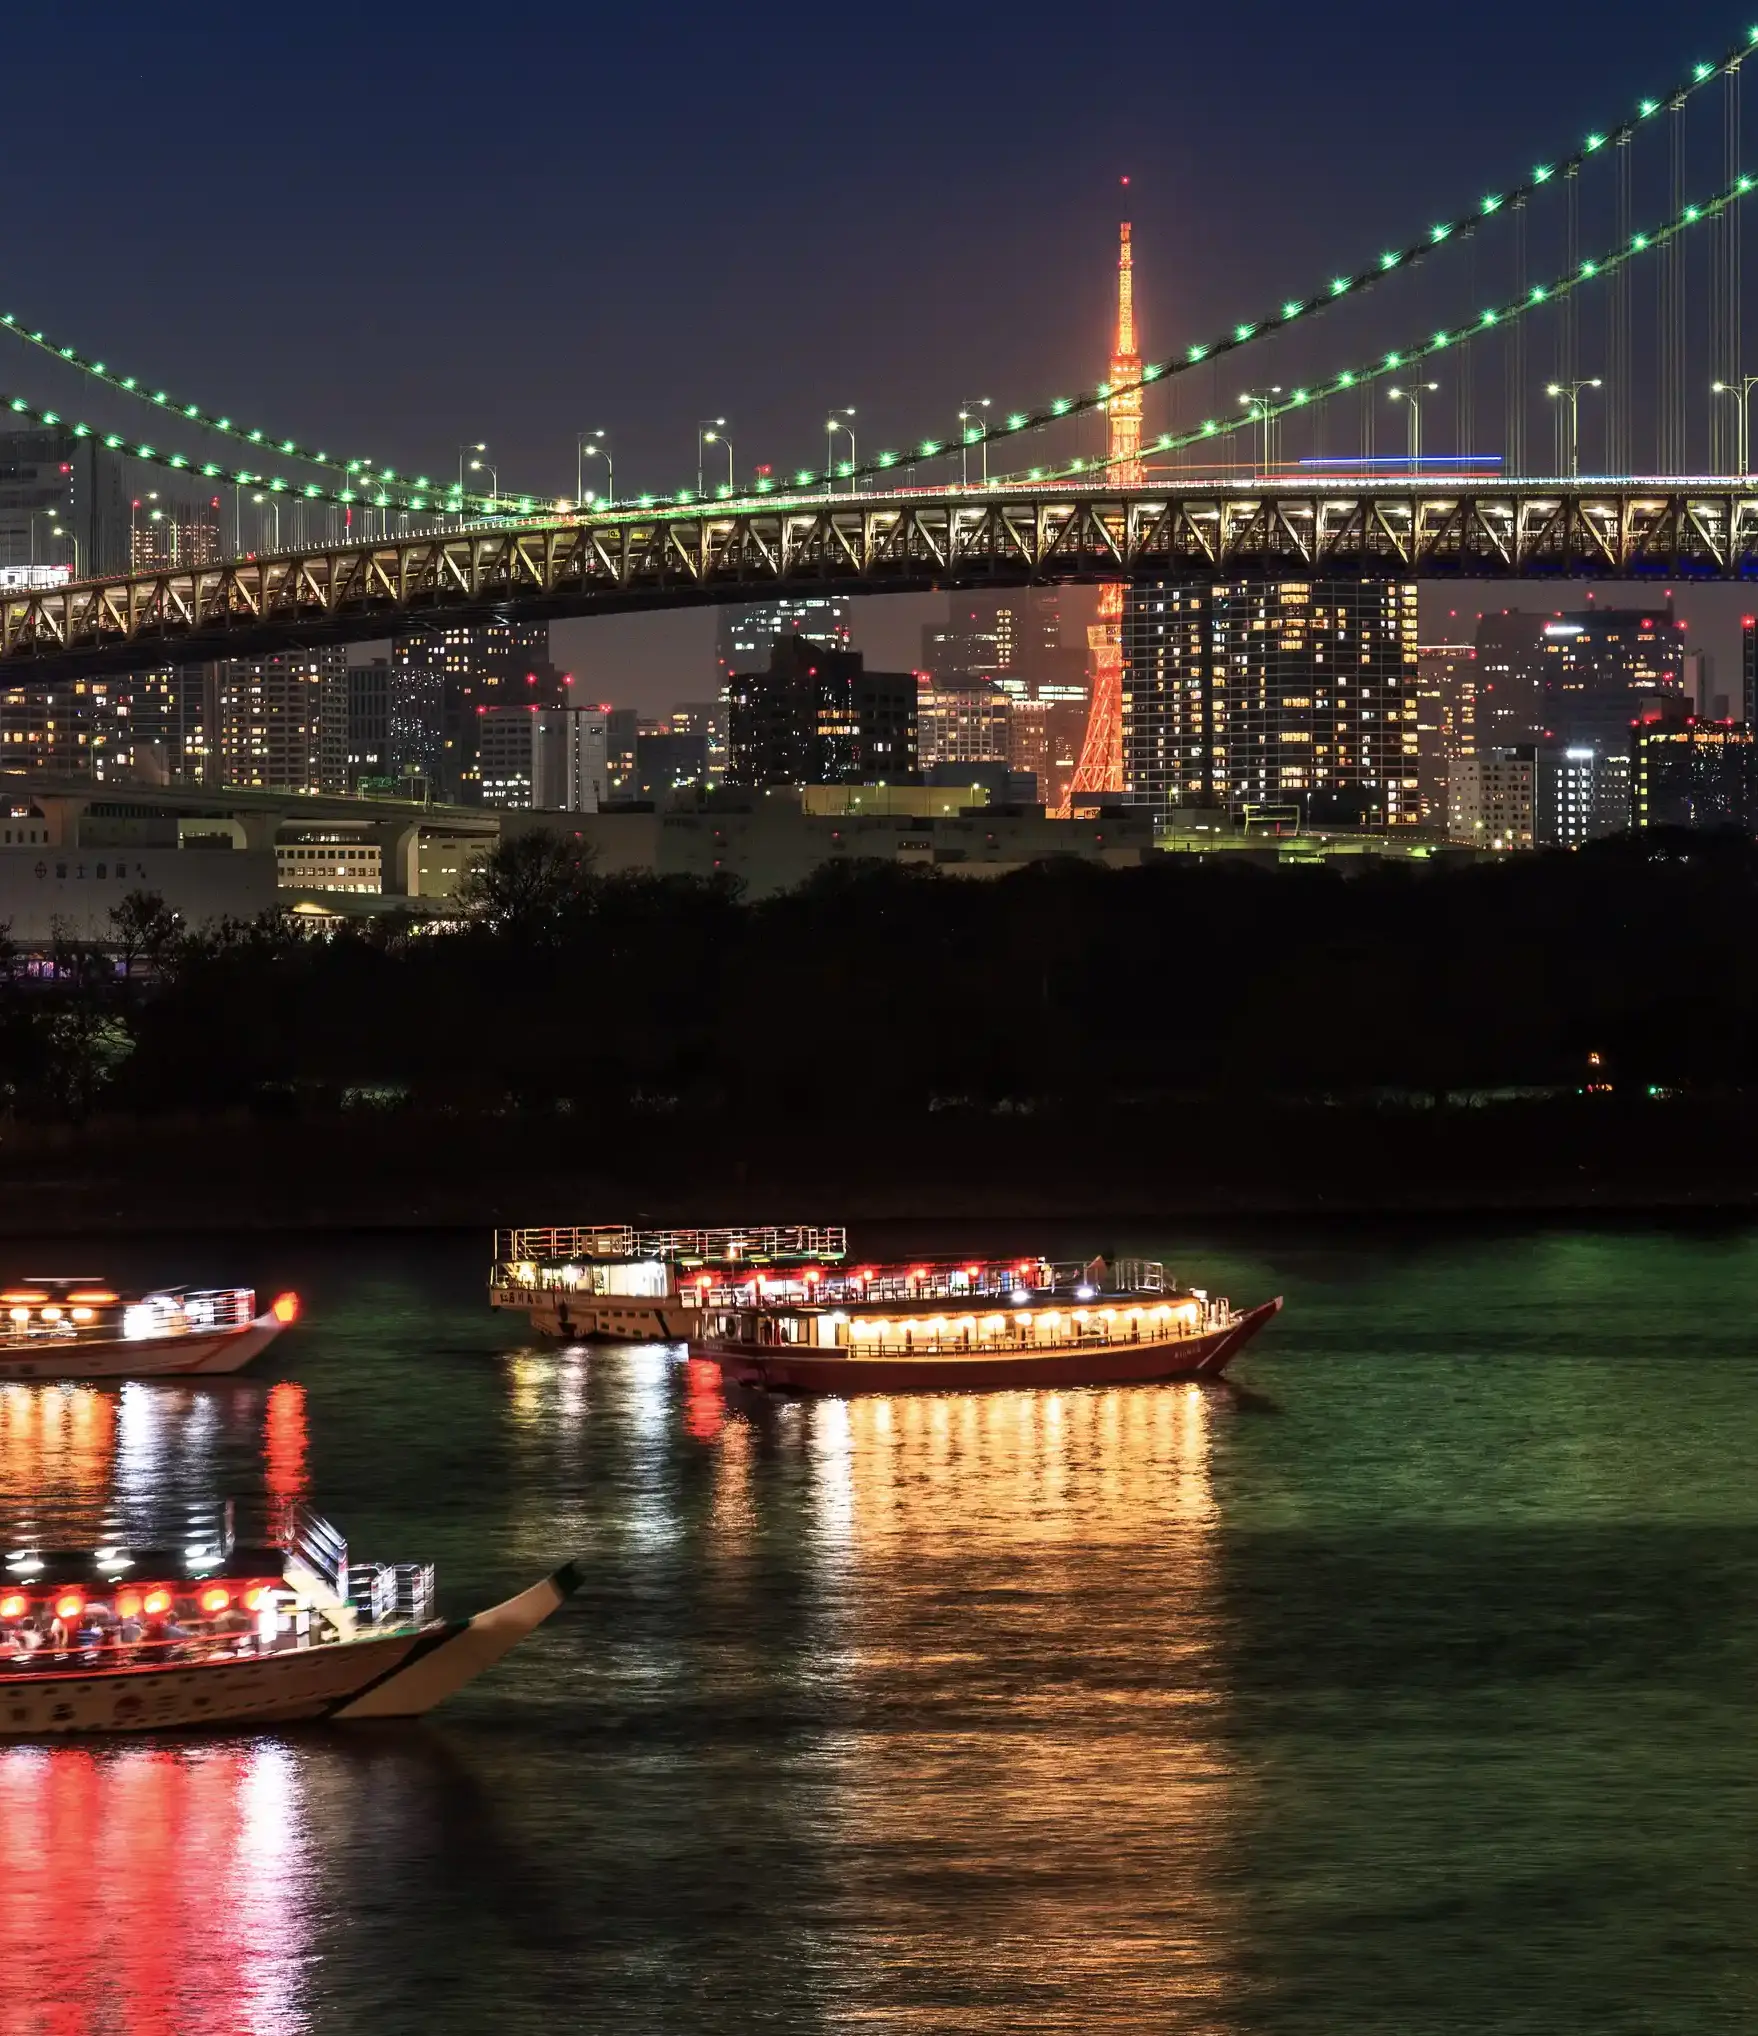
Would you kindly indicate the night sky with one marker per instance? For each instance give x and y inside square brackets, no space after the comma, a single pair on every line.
[392,229]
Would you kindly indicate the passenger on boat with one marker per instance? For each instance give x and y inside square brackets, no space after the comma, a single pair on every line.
[27,1636]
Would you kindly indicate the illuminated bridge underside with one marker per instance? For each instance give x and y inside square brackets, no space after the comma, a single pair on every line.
[884,544]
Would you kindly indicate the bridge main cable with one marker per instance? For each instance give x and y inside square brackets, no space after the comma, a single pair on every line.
[1295,309]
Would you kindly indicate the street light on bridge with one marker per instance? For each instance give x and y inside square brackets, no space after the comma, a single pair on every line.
[276,501]
[1572,390]
[72,540]
[969,421]
[706,427]
[583,444]
[1741,392]
[834,423]
[464,452]
[720,438]
[592,447]
[1258,404]
[1413,396]
[494,498]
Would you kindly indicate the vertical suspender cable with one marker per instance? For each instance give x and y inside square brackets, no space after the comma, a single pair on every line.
[1672,383]
[1514,355]
[1620,367]
[1732,283]
[1568,346]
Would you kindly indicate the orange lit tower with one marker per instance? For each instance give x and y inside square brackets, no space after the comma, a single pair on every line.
[1101,757]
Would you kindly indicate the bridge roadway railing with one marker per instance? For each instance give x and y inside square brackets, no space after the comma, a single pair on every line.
[1467,528]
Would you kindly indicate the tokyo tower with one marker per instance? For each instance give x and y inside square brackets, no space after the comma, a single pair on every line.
[1101,756]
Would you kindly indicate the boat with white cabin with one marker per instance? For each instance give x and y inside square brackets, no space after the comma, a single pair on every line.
[619,1283]
[77,1328]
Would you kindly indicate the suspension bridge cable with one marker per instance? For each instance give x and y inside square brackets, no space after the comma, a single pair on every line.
[371,494]
[1294,310]
[1656,240]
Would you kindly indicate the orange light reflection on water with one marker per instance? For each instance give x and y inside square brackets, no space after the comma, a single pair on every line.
[1069,1831]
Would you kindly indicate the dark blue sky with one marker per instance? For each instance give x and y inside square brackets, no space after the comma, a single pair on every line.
[389,229]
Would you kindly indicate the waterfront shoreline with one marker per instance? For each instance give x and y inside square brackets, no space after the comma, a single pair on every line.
[1178,1163]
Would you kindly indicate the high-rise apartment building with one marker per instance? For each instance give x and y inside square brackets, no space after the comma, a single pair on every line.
[1492,799]
[706,718]
[444,679]
[1688,773]
[746,636]
[818,717]
[281,723]
[1446,719]
[1293,694]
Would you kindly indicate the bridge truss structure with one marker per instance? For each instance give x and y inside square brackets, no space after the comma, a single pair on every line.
[559,566]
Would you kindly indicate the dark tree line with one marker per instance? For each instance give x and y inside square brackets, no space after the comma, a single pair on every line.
[873,994]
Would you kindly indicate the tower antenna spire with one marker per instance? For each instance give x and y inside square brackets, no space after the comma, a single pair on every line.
[1101,755]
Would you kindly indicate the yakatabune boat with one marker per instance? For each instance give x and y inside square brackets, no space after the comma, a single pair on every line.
[954,1327]
[207,1631]
[84,1329]
[611,1282]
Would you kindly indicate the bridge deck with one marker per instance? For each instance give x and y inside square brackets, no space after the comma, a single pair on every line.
[1450,528]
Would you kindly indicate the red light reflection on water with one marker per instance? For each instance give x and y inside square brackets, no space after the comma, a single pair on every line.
[704,1405]
[285,1443]
[152,1891]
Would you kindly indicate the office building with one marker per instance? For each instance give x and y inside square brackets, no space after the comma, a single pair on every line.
[329,859]
[622,736]
[369,726]
[818,717]
[766,843]
[444,679]
[1605,668]
[1579,795]
[52,479]
[1491,799]
[1510,678]
[549,759]
[1289,697]
[746,637]
[668,761]
[1688,773]
[281,723]
[706,718]
[972,647]
[962,723]
[1749,670]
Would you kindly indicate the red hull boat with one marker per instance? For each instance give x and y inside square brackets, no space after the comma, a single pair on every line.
[959,1328]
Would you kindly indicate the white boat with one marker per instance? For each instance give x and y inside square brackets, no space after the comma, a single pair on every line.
[611,1282]
[208,1634]
[63,1328]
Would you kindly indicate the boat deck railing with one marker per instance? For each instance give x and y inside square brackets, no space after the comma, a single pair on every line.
[36,1315]
[578,1242]
[1014,1283]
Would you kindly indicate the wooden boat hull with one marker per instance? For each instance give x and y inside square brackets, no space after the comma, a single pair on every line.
[379,1675]
[211,1355]
[801,1370]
